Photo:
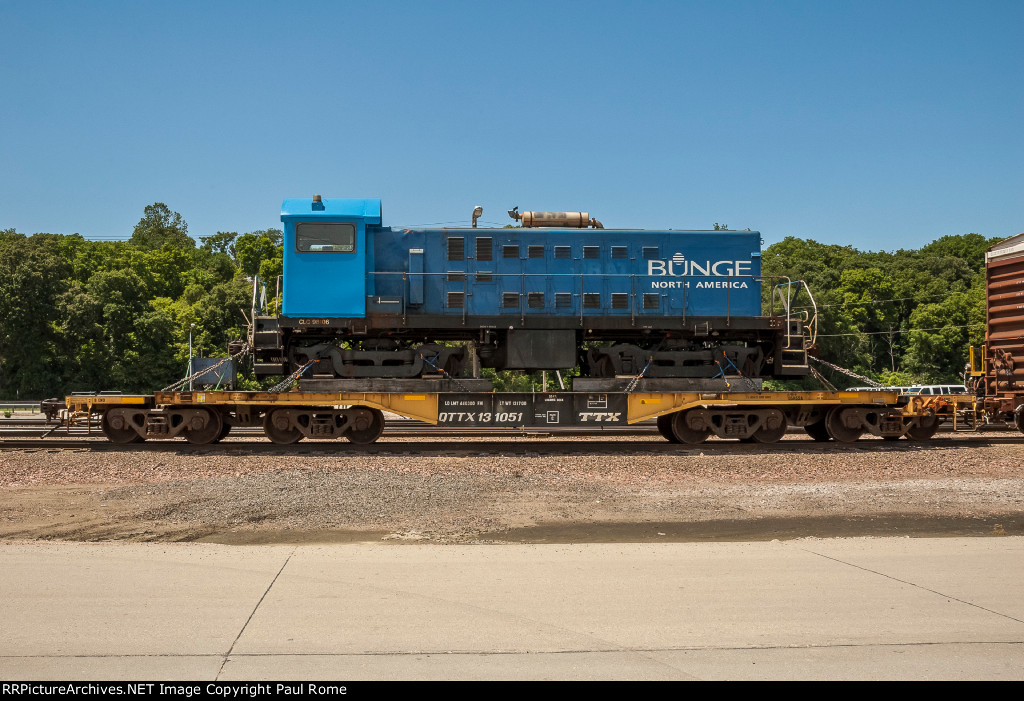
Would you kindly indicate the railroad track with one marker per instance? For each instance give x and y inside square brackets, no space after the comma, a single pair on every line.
[38,434]
[538,445]
[398,428]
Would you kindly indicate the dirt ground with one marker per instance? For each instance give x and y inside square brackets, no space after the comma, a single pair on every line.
[514,490]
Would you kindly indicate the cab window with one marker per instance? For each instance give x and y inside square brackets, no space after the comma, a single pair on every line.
[325,237]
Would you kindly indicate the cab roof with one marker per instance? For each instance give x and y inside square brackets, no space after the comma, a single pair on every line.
[369,210]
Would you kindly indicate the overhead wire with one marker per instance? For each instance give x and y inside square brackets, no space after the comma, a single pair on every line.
[461,224]
[945,295]
[895,331]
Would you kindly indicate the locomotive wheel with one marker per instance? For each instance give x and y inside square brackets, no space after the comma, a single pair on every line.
[207,433]
[115,427]
[837,428]
[665,428]
[772,429]
[371,432]
[604,367]
[453,366]
[924,429]
[818,431]
[682,431]
[279,431]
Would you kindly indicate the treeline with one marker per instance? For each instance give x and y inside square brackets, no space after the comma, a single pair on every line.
[900,317]
[82,315]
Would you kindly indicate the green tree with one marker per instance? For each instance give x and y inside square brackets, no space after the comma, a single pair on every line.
[939,338]
[276,236]
[252,249]
[873,306]
[870,311]
[969,248]
[33,275]
[272,268]
[159,226]
[221,242]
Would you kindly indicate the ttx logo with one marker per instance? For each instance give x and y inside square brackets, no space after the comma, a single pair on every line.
[597,416]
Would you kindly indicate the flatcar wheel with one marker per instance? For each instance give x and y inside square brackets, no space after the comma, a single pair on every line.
[279,431]
[773,428]
[837,428]
[115,427]
[665,428]
[371,432]
[818,431]
[682,431]
[223,432]
[924,429]
[208,432]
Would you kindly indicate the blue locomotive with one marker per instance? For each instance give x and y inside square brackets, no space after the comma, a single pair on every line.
[364,300]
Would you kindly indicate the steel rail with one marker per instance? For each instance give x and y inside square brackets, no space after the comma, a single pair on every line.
[537,445]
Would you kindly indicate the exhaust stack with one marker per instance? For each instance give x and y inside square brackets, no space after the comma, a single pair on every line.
[566,220]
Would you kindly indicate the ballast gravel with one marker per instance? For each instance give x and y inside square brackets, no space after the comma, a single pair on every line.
[452,490]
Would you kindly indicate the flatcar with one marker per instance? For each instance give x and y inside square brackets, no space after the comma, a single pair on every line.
[359,299]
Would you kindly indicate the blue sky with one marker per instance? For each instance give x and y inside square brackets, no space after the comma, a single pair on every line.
[881,125]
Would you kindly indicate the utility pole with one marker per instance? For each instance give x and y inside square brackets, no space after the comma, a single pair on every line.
[189,373]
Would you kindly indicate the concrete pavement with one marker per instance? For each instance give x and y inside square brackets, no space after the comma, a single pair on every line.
[871,608]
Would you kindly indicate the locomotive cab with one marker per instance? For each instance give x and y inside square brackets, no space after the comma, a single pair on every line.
[326,255]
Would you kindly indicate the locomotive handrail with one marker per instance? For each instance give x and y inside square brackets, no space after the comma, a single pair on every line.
[522,307]
[497,273]
[728,310]
[786,295]
[251,335]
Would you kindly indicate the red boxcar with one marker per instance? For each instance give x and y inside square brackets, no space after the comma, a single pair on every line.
[1004,336]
